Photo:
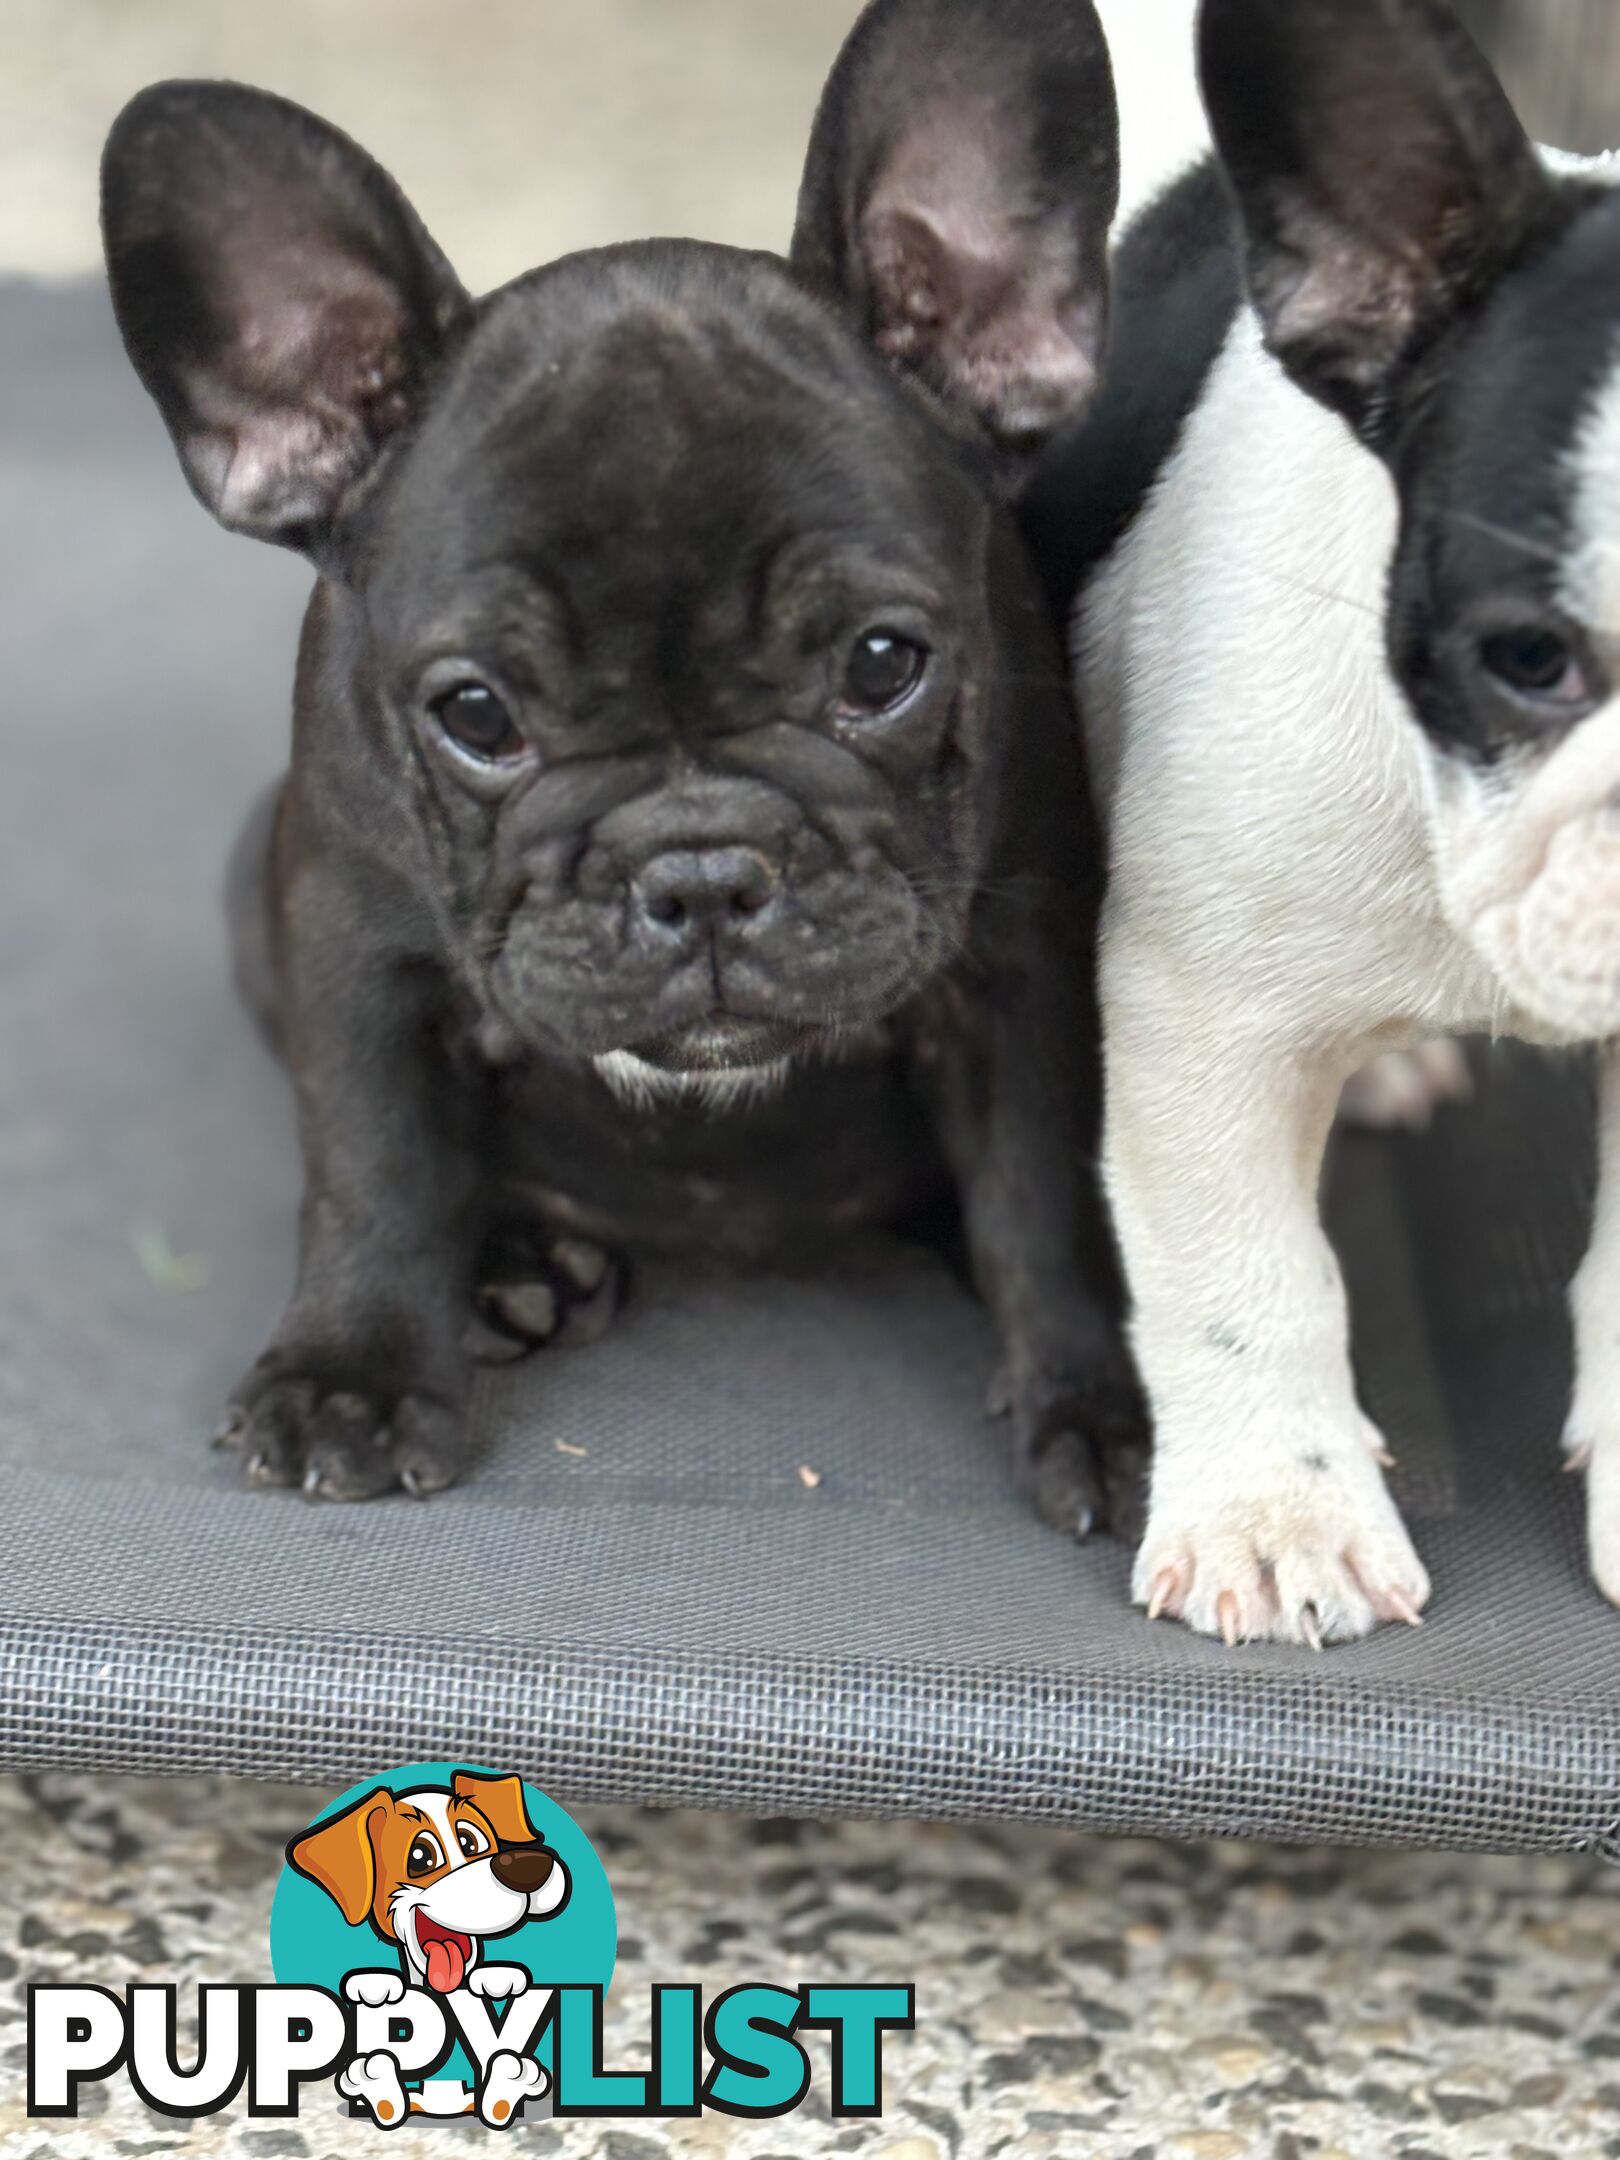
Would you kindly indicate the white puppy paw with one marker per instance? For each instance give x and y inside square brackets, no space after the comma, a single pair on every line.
[1402,1092]
[498,1983]
[1307,1549]
[510,2080]
[374,2082]
[375,1989]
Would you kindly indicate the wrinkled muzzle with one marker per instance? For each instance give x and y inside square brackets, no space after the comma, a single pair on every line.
[711,949]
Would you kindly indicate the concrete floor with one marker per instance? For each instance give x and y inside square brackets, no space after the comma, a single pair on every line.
[1075,1999]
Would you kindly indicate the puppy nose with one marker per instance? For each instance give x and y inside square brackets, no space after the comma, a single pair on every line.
[522,1868]
[697,888]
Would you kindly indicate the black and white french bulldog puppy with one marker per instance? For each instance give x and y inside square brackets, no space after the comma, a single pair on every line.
[685,843]
[1347,523]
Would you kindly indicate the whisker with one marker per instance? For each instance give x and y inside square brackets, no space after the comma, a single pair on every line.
[1318,592]
[1524,542]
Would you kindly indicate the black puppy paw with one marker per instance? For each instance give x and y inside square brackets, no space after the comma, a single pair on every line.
[536,1292]
[1082,1445]
[339,1442]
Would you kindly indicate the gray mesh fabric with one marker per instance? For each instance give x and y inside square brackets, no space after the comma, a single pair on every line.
[637,1595]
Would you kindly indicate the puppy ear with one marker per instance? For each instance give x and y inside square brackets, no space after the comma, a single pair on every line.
[1381,175]
[500,1800]
[278,297]
[962,178]
[340,1855]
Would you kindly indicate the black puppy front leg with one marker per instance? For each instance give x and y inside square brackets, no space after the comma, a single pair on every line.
[364,1385]
[1015,1091]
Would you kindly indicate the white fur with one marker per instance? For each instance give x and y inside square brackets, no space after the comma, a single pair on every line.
[1300,884]
[641,1085]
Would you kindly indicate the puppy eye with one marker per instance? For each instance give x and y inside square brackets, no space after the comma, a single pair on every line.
[424,1855]
[882,672]
[471,1840]
[476,721]
[1539,664]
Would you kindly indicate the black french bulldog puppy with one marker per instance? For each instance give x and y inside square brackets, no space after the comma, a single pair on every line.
[684,843]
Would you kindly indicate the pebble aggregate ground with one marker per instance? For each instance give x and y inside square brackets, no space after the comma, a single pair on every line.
[1076,1998]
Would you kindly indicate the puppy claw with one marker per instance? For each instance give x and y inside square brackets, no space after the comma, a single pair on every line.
[1578,1444]
[1321,1562]
[1384,1459]
[588,1319]
[349,1445]
[586,1266]
[1401,1607]
[1166,1596]
[487,1345]
[528,1309]
[233,1430]
[411,1482]
[1066,1490]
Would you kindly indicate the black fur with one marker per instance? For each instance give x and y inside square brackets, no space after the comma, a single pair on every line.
[1418,270]
[1177,291]
[647,503]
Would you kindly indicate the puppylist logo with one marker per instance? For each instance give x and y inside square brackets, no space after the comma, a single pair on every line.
[443,1940]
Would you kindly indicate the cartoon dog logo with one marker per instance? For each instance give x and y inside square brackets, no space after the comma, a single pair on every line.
[438,1874]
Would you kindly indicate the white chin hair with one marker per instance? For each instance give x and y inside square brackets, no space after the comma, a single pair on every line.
[636,1082]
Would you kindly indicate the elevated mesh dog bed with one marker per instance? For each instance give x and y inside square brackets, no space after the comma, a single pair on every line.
[637,1594]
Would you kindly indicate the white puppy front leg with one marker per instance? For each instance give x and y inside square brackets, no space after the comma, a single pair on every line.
[1592,1438]
[1269,1515]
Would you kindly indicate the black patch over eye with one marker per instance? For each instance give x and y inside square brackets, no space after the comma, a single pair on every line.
[1538,663]
[476,721]
[424,1855]
[883,670]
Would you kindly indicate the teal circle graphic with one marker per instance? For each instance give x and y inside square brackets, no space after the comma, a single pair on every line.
[312,1945]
